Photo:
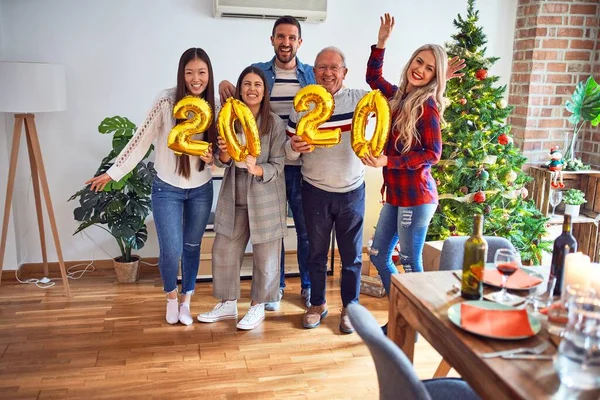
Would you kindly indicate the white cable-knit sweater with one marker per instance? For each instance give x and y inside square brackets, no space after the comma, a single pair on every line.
[156,127]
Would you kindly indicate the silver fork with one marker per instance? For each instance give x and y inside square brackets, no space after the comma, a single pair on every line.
[539,349]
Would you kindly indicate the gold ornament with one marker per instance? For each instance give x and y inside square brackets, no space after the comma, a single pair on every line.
[373,101]
[180,138]
[233,110]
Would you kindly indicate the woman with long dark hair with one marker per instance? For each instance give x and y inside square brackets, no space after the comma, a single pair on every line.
[182,191]
[251,206]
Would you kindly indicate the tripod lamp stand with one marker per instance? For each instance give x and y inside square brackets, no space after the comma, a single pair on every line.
[25,89]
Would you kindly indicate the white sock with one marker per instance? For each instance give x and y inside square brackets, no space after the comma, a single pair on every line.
[172,311]
[185,316]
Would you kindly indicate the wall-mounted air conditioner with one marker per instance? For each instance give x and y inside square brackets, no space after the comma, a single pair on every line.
[303,10]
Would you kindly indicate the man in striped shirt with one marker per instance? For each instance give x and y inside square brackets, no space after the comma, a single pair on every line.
[285,76]
[333,192]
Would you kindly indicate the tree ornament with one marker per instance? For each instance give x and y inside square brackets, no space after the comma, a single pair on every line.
[463,101]
[487,209]
[483,175]
[511,176]
[479,197]
[524,192]
[452,228]
[504,139]
[464,189]
[437,182]
[481,74]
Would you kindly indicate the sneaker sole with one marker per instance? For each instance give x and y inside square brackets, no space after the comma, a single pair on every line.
[250,327]
[346,330]
[311,326]
[217,319]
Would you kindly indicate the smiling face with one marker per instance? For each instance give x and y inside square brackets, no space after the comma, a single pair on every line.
[330,71]
[196,77]
[421,70]
[252,91]
[286,41]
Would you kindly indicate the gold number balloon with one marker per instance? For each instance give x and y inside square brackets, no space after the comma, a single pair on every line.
[373,101]
[308,125]
[180,138]
[236,110]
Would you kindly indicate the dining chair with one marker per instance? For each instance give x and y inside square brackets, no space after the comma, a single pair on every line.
[453,250]
[395,373]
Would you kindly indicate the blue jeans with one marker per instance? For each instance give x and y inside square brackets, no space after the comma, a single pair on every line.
[180,216]
[322,210]
[293,187]
[409,226]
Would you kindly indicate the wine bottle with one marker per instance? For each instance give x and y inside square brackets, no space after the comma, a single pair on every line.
[474,262]
[563,245]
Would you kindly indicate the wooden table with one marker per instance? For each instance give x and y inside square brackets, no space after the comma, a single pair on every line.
[419,302]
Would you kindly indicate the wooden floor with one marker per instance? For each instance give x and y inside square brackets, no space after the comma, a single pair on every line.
[110,341]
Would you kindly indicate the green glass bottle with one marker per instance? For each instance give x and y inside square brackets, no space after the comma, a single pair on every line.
[474,262]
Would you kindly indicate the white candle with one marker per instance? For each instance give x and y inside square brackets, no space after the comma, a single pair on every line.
[578,270]
[596,277]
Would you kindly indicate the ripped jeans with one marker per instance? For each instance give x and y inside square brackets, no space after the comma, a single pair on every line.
[180,216]
[407,225]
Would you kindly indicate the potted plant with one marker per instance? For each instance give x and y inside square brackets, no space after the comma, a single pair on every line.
[122,207]
[573,199]
[584,106]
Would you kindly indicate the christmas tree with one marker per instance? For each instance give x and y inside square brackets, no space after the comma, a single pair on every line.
[480,170]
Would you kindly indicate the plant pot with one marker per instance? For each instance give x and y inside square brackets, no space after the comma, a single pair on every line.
[127,272]
[572,210]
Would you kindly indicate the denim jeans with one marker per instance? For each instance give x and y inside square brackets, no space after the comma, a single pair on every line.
[409,226]
[322,210]
[180,216]
[293,187]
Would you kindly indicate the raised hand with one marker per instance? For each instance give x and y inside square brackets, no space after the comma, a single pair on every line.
[226,90]
[385,30]
[455,64]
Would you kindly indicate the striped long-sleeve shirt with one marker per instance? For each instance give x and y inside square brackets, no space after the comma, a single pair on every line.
[333,169]
[407,177]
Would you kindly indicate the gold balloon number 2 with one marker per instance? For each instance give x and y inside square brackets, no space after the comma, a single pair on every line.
[308,125]
[180,138]
[233,110]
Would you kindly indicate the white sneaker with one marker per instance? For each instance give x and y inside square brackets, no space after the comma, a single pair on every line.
[255,315]
[223,310]
[274,305]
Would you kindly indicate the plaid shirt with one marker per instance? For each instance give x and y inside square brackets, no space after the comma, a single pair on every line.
[407,179]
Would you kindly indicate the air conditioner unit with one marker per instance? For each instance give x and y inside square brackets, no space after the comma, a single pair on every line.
[302,10]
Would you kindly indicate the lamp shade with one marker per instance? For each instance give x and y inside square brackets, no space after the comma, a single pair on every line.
[27,87]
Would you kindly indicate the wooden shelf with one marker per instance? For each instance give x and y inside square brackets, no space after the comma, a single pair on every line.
[585,217]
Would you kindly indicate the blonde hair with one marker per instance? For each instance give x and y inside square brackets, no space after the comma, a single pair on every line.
[407,111]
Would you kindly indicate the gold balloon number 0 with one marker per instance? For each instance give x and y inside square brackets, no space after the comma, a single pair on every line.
[308,125]
[236,110]
[372,102]
[180,138]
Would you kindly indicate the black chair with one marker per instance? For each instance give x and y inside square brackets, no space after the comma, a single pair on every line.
[453,250]
[396,375]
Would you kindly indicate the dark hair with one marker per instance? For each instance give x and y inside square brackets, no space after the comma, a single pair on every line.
[287,19]
[183,161]
[265,120]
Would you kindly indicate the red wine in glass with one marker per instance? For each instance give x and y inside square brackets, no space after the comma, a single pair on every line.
[507,263]
[507,268]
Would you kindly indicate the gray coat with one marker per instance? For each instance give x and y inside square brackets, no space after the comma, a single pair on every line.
[266,194]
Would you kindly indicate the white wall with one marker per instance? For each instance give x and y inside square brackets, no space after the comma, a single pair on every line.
[119,54]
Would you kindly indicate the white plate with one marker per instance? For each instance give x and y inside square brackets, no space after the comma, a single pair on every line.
[528,271]
[454,316]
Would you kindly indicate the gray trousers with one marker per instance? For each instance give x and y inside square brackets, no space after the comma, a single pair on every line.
[228,255]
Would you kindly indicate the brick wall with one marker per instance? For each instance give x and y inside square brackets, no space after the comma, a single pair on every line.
[557,44]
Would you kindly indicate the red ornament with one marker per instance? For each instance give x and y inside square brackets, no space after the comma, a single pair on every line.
[479,197]
[503,139]
[463,101]
[481,74]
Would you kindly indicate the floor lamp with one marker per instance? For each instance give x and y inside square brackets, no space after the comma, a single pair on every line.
[27,88]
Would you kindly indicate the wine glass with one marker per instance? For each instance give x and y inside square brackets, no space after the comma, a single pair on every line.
[507,263]
[555,199]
